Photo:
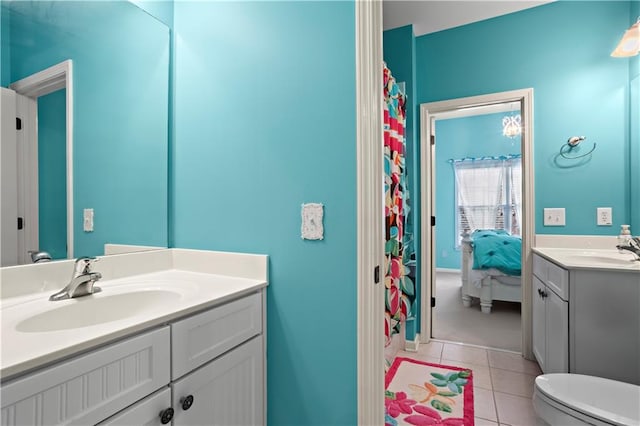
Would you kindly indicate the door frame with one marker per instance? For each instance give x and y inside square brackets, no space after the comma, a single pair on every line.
[59,76]
[428,114]
[370,208]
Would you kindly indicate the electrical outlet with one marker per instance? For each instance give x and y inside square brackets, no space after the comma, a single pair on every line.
[554,217]
[604,216]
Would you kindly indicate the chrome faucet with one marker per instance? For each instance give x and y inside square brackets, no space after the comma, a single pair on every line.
[633,246]
[39,256]
[82,281]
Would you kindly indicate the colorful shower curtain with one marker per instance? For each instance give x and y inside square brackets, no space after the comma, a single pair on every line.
[399,288]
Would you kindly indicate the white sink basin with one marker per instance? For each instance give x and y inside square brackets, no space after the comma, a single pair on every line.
[609,259]
[36,331]
[96,309]
[621,259]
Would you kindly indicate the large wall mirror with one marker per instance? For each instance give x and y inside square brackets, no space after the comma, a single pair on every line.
[634,152]
[117,163]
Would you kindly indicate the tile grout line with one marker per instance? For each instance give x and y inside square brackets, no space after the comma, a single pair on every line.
[493,392]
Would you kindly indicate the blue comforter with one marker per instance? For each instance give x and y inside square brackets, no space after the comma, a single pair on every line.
[495,248]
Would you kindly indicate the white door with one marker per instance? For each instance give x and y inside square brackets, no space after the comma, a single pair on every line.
[19,162]
[429,270]
[9,179]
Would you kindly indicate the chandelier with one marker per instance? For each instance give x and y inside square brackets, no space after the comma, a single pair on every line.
[511,126]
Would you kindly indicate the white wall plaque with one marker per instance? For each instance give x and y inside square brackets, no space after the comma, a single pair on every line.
[312,221]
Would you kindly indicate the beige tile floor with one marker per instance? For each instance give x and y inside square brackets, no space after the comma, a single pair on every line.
[502,381]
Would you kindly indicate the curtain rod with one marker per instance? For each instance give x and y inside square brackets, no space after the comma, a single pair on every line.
[499,157]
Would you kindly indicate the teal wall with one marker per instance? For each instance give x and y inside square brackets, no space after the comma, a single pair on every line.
[634,130]
[5,58]
[120,110]
[634,15]
[578,90]
[52,174]
[265,120]
[161,10]
[634,154]
[476,136]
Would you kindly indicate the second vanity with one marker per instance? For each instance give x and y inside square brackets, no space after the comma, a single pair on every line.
[586,312]
[181,343]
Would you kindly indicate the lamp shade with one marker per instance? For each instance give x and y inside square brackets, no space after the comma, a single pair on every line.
[630,43]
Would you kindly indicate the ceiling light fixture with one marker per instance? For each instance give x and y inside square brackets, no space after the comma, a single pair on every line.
[630,43]
[511,126]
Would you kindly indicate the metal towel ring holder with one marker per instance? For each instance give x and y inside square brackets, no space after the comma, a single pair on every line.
[573,142]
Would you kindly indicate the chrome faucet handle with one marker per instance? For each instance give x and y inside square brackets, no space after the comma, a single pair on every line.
[83,265]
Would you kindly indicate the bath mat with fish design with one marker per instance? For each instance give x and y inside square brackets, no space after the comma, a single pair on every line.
[422,393]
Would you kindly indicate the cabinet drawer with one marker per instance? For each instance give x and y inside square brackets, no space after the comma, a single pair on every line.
[146,412]
[552,275]
[89,388]
[199,339]
[540,267]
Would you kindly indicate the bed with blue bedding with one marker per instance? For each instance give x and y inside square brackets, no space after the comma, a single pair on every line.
[491,267]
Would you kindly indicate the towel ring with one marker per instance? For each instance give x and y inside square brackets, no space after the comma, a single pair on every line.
[573,142]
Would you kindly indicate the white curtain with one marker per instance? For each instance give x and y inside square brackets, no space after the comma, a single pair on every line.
[515,183]
[480,186]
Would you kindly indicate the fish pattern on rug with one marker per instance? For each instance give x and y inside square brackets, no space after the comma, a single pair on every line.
[421,393]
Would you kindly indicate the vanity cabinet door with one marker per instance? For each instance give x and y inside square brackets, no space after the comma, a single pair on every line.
[539,323]
[557,334]
[227,391]
[550,329]
[155,410]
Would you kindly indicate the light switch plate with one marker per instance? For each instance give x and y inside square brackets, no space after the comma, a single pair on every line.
[87,223]
[554,217]
[312,228]
[604,216]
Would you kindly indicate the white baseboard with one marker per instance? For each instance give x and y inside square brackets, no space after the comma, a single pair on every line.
[449,270]
[412,345]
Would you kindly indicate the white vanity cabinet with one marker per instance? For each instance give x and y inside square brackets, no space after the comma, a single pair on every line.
[207,368]
[587,320]
[604,313]
[228,390]
[550,316]
[91,387]
[151,411]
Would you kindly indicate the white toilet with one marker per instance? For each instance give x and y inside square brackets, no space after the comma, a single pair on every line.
[575,399]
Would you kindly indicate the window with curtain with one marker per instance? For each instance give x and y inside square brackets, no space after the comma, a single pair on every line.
[488,194]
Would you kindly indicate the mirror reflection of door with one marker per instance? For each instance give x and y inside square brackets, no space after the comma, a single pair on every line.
[34,211]
[52,171]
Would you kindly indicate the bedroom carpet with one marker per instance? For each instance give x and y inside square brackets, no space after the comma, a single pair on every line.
[454,323]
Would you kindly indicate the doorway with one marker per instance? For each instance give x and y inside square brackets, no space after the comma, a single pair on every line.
[51,89]
[475,185]
[430,113]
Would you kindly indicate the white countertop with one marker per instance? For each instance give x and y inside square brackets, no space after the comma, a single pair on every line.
[592,259]
[141,302]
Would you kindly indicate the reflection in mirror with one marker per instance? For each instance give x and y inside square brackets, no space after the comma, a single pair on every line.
[52,171]
[634,151]
[120,58]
